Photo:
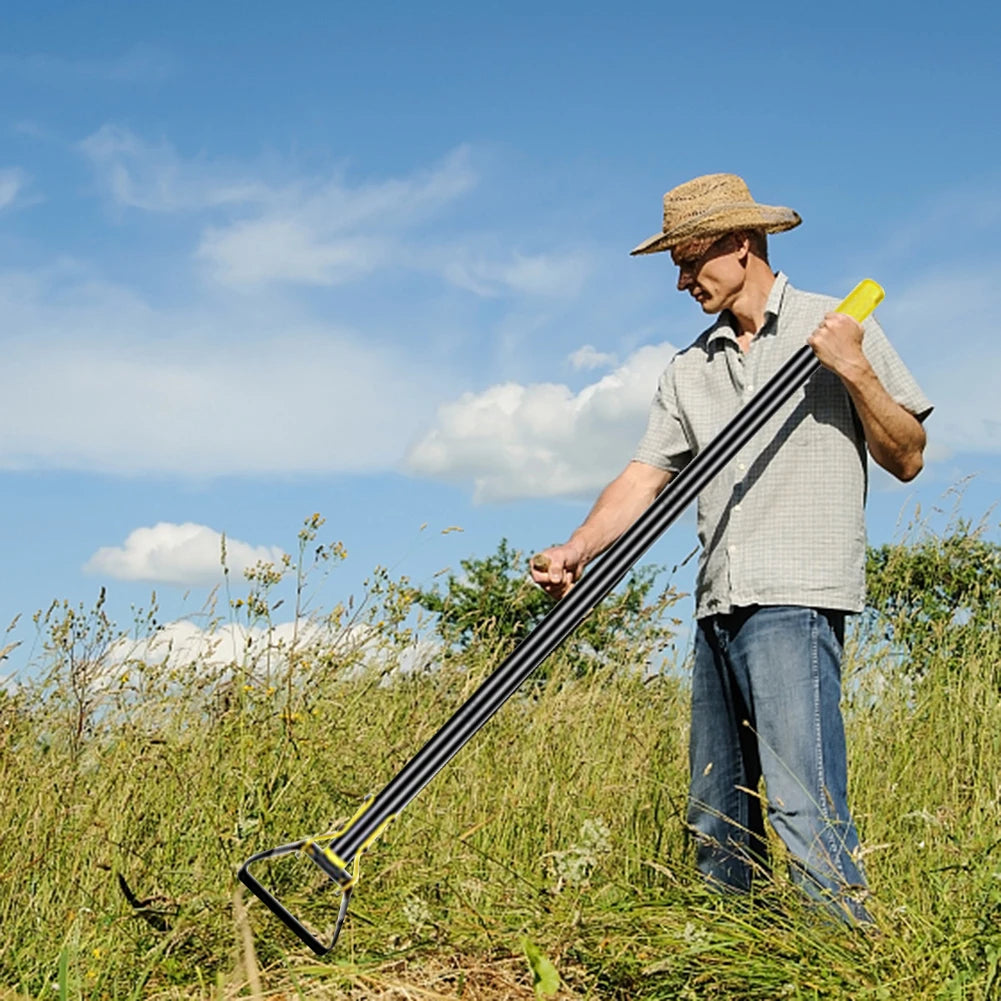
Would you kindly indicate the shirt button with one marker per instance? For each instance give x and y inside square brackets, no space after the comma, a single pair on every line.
[741,467]
[750,389]
[732,549]
[736,509]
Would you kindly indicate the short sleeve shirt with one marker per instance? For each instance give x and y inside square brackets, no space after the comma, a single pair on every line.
[783,523]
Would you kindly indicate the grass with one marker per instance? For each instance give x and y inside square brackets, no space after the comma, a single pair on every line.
[132,789]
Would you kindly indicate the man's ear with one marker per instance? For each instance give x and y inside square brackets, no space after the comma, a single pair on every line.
[742,245]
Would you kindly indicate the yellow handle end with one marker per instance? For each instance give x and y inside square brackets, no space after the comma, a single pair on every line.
[862,300]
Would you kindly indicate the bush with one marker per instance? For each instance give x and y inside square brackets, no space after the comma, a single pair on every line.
[495,600]
[932,595]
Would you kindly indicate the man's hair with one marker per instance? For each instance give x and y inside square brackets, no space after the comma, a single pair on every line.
[758,240]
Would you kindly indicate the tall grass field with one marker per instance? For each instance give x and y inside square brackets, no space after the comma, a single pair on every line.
[549,859]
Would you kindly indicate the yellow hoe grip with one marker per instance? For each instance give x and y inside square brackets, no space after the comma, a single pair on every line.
[862,300]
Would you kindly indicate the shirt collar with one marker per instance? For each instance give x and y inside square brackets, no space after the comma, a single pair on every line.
[724,326]
[774,303]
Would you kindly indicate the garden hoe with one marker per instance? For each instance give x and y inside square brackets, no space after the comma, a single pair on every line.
[338,853]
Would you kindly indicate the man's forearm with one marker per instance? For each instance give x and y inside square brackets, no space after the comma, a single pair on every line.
[894,436]
[617,507]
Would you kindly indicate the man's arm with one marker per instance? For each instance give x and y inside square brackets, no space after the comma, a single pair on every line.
[894,436]
[617,507]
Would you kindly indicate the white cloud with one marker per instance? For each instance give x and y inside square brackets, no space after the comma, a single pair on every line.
[12,182]
[286,250]
[183,644]
[186,555]
[543,275]
[98,380]
[326,233]
[309,231]
[589,357]
[515,440]
[152,177]
[322,231]
[542,440]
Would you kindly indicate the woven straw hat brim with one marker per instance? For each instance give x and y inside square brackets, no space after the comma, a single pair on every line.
[720,219]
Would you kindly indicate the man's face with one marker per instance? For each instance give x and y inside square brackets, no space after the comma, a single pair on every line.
[710,270]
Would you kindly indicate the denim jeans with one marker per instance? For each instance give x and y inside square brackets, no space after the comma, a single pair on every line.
[766,691]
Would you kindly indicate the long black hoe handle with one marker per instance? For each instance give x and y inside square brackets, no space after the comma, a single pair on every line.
[338,853]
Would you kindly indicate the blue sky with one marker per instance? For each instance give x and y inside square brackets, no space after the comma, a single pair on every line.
[372,261]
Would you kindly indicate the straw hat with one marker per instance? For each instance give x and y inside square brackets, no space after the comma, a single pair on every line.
[710,206]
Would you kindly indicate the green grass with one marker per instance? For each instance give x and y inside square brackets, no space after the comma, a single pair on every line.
[559,826]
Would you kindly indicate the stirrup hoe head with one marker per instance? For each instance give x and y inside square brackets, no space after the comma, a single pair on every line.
[330,863]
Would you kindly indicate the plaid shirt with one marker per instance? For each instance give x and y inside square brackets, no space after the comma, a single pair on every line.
[783,523]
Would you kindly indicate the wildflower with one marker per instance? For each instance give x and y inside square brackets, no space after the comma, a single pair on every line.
[416,912]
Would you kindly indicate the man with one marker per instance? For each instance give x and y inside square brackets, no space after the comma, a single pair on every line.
[782,534]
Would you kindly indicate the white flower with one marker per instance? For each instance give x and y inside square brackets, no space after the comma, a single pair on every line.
[416,912]
[573,867]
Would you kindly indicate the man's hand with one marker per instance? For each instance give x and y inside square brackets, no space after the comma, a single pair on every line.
[837,343]
[557,569]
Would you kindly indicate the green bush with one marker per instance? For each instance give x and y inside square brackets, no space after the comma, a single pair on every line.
[933,593]
[494,604]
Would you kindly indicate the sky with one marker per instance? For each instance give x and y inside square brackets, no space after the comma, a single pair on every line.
[259,261]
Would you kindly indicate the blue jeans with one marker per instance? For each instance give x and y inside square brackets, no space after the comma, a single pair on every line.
[766,691]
